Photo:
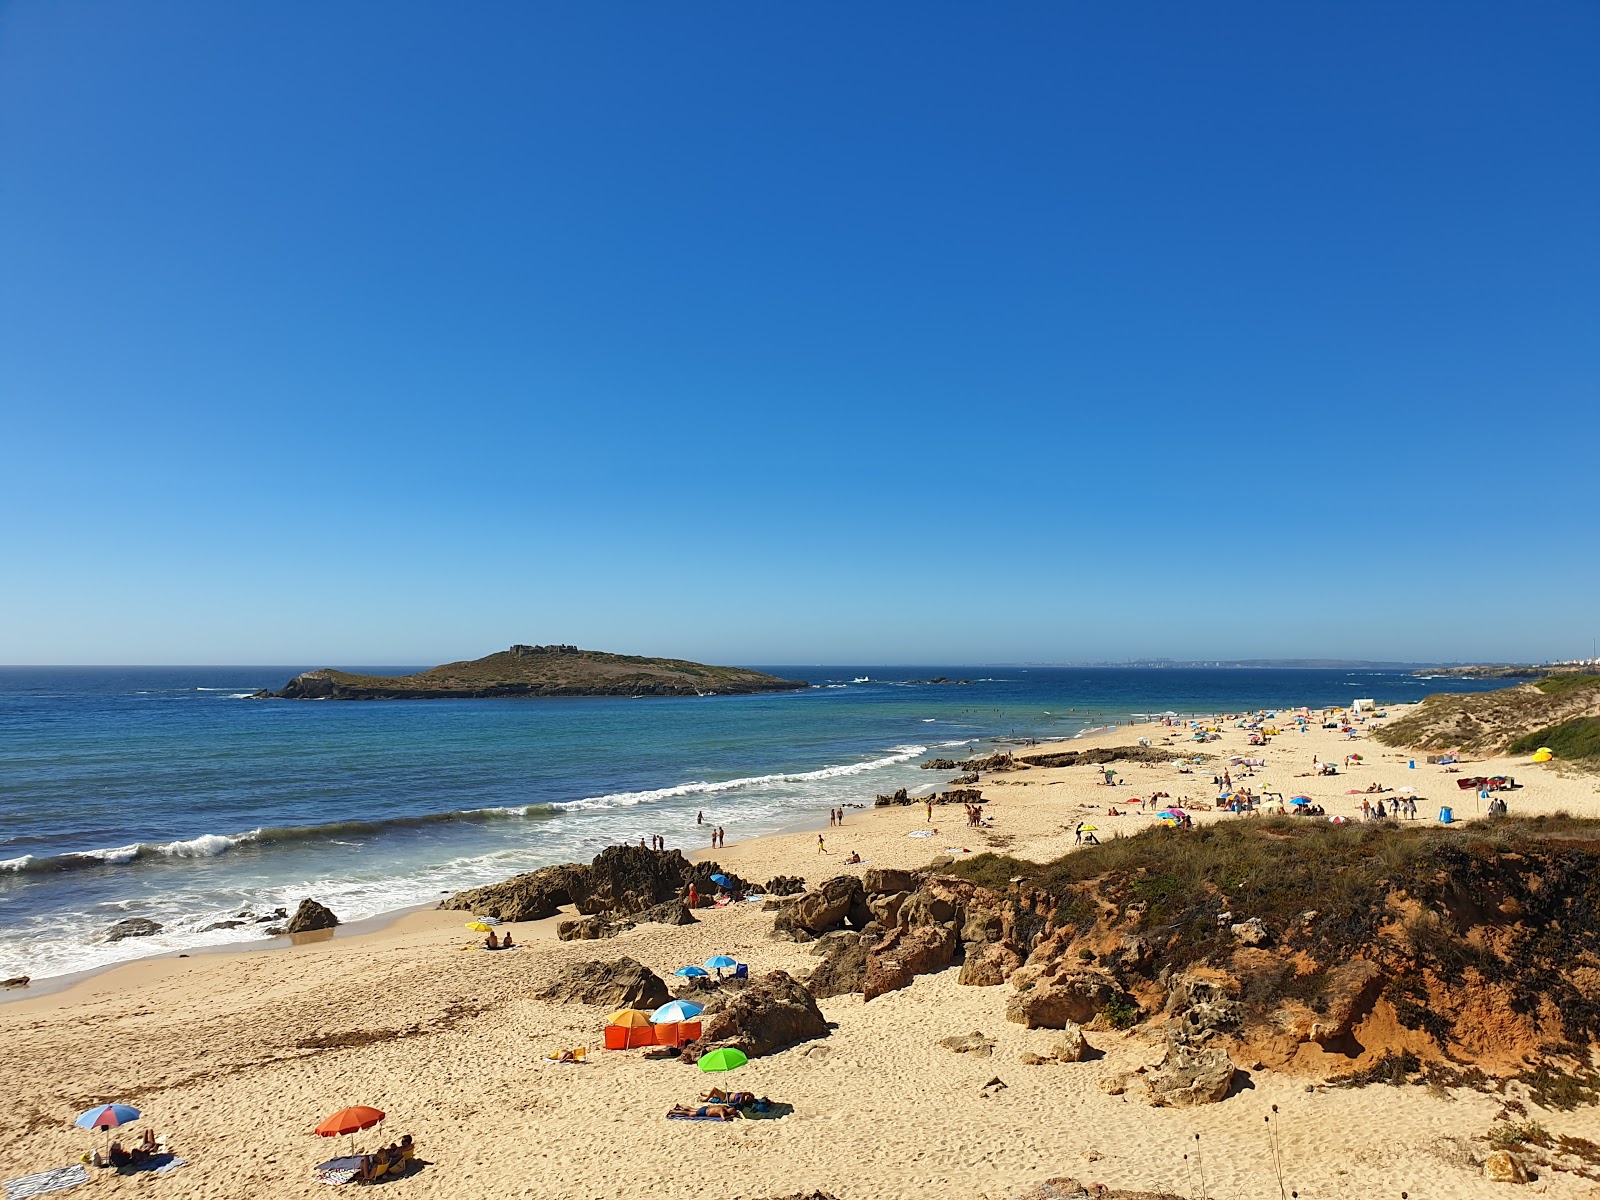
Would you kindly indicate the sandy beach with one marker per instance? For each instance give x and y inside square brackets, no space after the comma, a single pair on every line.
[235,1056]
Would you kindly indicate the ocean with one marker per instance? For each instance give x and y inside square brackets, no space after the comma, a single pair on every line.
[167,793]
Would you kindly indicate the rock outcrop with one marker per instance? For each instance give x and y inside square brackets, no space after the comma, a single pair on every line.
[133,927]
[311,916]
[906,953]
[1190,1075]
[837,901]
[620,983]
[775,1011]
[1072,997]
[622,881]
[533,896]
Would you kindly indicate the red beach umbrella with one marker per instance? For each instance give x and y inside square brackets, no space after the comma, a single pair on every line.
[349,1120]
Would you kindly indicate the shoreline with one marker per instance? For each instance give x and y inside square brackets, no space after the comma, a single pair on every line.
[235,1054]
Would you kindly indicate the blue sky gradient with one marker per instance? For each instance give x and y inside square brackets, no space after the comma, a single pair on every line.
[389,332]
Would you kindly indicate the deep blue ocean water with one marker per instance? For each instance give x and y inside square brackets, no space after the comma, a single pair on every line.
[165,792]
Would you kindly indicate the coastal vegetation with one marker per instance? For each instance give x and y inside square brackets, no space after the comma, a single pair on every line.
[1388,950]
[538,671]
[1510,720]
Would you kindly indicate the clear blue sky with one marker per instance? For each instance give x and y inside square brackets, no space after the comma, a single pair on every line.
[897,332]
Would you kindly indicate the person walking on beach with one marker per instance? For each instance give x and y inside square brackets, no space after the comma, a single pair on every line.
[822,847]
[841,816]
[831,821]
[1077,834]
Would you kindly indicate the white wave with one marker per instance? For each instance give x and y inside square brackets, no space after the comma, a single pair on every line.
[207,845]
[621,799]
[15,864]
[116,854]
[929,720]
[216,690]
[240,695]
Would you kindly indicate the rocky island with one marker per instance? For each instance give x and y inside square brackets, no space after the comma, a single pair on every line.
[537,671]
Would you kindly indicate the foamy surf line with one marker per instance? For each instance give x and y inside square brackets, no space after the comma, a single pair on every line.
[628,799]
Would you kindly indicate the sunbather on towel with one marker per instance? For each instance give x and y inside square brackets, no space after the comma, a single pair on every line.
[720,1112]
[735,1099]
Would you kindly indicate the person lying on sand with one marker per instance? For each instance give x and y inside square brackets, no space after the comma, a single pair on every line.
[723,1112]
[852,857]
[735,1099]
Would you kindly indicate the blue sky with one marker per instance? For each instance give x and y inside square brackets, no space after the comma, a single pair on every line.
[903,332]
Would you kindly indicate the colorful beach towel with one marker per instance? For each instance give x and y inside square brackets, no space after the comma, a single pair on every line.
[336,1171]
[44,1182]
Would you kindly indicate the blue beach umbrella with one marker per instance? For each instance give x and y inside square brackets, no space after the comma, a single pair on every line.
[720,880]
[718,961]
[107,1116]
[691,972]
[1300,801]
[675,1011]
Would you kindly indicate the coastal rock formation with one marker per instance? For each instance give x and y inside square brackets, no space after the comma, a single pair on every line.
[133,927]
[673,912]
[1107,754]
[990,964]
[1561,711]
[828,907]
[773,1012]
[784,885]
[906,953]
[1074,997]
[311,916]
[955,796]
[842,971]
[538,671]
[533,896]
[620,983]
[621,881]
[1188,1076]
[877,881]
[972,1043]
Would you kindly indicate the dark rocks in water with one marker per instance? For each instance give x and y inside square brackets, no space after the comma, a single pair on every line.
[785,885]
[837,901]
[133,927]
[898,796]
[964,780]
[311,916]
[277,914]
[16,981]
[939,764]
[773,1012]
[620,983]
[222,925]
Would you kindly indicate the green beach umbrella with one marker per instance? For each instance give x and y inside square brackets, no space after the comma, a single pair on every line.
[724,1059]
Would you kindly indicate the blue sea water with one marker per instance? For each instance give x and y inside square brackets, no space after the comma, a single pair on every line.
[166,792]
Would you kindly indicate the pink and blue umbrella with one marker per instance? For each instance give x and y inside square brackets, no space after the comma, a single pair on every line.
[107,1116]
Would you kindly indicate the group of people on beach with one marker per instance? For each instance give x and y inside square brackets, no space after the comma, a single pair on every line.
[1400,806]
[499,943]
[836,816]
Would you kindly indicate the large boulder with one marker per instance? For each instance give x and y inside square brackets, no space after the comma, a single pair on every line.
[879,881]
[1502,1167]
[885,909]
[826,908]
[621,983]
[624,880]
[990,964]
[1072,997]
[904,954]
[773,1012]
[311,916]
[529,897]
[590,929]
[1190,1075]
[673,912]
[842,971]
[133,927]
[1199,1009]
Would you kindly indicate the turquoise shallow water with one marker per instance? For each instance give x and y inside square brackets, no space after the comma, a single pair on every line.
[167,793]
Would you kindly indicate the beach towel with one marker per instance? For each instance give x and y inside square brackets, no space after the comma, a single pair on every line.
[58,1180]
[160,1164]
[338,1171]
[767,1110]
[920,833]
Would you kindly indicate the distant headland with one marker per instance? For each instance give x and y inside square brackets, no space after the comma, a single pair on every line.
[537,671]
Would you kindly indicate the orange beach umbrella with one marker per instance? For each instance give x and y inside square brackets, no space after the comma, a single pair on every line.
[629,1018]
[349,1120]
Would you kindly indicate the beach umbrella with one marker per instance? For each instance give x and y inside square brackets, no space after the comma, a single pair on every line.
[479,926]
[1089,828]
[675,1011]
[691,972]
[726,1058]
[720,880]
[107,1116]
[718,961]
[629,1018]
[1299,802]
[1170,812]
[349,1120]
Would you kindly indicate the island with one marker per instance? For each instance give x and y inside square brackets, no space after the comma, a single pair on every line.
[537,671]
